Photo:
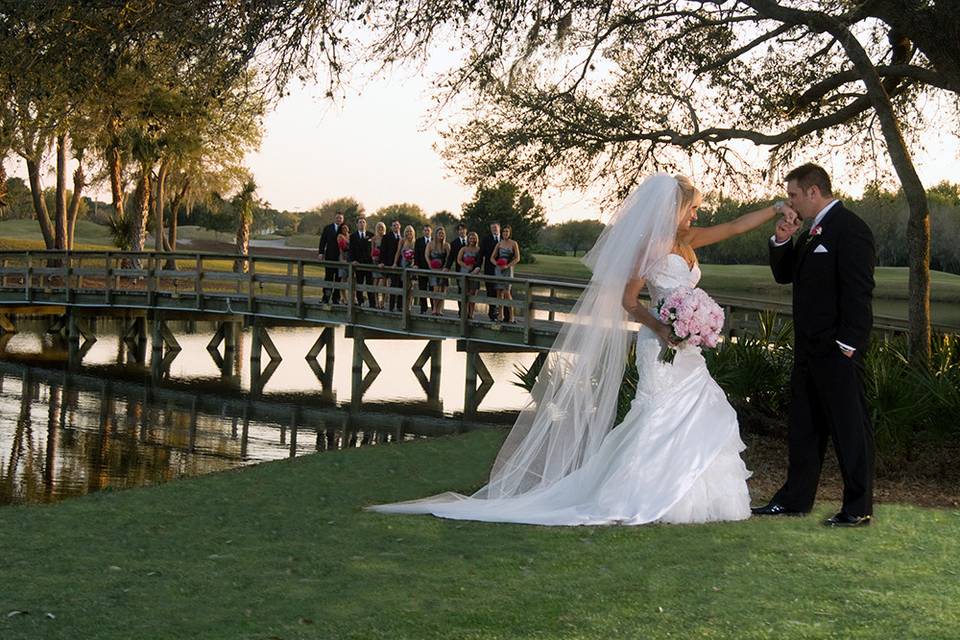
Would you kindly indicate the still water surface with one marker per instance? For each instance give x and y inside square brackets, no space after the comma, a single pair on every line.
[109,424]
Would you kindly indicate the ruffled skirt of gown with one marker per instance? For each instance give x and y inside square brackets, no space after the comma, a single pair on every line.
[675,458]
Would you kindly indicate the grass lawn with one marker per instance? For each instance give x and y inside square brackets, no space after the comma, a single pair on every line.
[303,241]
[193,232]
[86,233]
[283,550]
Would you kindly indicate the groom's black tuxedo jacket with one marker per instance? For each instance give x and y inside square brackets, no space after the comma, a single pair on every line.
[832,286]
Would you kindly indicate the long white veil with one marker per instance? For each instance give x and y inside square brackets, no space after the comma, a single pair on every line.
[574,401]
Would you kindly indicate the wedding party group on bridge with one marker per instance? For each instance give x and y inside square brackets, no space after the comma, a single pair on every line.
[495,254]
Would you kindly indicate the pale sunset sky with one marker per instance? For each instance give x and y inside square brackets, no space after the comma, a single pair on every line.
[377,141]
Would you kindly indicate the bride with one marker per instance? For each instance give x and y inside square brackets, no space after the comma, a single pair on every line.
[675,457]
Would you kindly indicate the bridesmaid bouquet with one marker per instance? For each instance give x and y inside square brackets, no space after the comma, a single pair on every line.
[469,260]
[502,262]
[694,318]
[375,252]
[407,254]
[435,264]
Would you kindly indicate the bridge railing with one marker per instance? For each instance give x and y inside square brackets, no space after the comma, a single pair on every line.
[300,289]
[249,283]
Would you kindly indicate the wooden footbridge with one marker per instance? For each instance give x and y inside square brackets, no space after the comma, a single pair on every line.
[149,289]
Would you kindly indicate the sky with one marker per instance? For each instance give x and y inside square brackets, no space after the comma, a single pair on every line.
[378,144]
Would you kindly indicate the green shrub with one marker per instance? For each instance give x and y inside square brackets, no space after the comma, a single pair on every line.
[908,406]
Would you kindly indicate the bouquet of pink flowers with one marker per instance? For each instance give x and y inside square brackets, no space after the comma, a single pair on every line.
[469,260]
[375,252]
[435,264]
[407,254]
[501,262]
[694,317]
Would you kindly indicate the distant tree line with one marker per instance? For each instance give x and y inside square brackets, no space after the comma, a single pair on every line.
[887,213]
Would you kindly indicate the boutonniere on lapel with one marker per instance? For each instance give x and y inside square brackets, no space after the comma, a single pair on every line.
[815,230]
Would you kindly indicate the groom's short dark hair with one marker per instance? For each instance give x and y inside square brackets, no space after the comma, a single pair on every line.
[808,175]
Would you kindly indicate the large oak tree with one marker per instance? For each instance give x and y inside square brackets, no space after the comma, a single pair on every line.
[576,92]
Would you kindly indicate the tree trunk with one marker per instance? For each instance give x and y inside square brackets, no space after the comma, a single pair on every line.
[174,210]
[158,213]
[3,184]
[115,166]
[138,230]
[39,204]
[918,225]
[61,195]
[79,182]
[243,242]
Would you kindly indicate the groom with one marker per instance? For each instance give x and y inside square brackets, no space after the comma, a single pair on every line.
[831,269]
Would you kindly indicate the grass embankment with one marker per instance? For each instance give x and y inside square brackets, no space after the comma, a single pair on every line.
[283,550]
[21,235]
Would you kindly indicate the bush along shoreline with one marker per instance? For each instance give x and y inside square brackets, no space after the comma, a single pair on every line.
[914,410]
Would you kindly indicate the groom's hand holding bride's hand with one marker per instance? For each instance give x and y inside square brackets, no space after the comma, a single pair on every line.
[788,224]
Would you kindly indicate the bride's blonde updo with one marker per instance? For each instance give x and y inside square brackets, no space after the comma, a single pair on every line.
[688,194]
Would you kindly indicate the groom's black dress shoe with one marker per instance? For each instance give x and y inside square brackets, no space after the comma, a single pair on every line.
[775,509]
[846,520]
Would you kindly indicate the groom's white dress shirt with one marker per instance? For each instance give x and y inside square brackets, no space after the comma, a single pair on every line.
[816,221]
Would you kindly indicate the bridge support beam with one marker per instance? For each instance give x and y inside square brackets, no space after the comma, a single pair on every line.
[134,338]
[431,384]
[227,334]
[359,383]
[6,324]
[75,331]
[473,394]
[260,341]
[325,344]
[164,346]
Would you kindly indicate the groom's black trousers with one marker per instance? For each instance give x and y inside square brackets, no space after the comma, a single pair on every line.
[828,401]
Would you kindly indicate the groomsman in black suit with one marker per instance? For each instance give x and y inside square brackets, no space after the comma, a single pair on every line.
[330,250]
[420,260]
[831,268]
[361,253]
[490,267]
[458,243]
[388,254]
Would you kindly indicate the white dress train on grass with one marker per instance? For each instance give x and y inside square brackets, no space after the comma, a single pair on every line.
[674,458]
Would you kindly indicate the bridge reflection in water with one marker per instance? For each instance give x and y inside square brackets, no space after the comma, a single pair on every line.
[66,433]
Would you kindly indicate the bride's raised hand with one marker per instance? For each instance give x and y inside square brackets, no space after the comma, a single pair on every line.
[665,333]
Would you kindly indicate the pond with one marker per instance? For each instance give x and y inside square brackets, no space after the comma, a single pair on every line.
[110,424]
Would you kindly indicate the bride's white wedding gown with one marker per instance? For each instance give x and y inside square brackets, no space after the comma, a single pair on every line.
[675,457]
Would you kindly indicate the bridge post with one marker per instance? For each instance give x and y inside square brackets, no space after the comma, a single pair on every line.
[431,385]
[256,346]
[75,332]
[162,336]
[231,332]
[135,339]
[73,341]
[260,340]
[359,383]
[325,343]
